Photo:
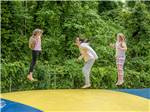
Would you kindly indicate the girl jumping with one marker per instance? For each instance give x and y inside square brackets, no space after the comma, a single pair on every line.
[35,45]
[89,56]
[121,48]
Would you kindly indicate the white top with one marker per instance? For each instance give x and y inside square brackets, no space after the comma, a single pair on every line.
[119,52]
[87,52]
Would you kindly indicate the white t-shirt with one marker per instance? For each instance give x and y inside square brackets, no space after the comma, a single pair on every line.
[87,52]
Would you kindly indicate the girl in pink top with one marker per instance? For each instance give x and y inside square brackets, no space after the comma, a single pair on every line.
[121,48]
[35,45]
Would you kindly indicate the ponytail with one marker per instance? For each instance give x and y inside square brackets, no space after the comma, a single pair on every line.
[83,40]
[32,42]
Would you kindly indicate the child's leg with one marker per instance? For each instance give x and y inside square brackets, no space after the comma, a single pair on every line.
[120,64]
[86,71]
[120,72]
[86,75]
[34,58]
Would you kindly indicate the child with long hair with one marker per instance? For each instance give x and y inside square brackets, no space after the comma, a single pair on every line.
[89,56]
[35,45]
[121,48]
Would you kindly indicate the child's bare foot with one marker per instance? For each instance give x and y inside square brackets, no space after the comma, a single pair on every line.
[86,86]
[31,78]
[119,83]
[34,79]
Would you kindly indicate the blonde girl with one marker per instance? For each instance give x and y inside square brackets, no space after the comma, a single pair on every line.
[35,45]
[121,48]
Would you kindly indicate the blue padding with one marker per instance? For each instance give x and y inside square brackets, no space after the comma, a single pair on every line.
[10,106]
[145,92]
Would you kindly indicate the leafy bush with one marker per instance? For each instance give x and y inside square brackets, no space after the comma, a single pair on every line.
[66,76]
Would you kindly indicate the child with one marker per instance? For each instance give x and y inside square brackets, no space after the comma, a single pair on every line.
[89,56]
[35,45]
[121,48]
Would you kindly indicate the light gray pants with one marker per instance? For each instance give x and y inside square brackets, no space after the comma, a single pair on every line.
[86,70]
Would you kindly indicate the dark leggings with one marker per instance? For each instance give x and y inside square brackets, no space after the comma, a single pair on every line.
[35,54]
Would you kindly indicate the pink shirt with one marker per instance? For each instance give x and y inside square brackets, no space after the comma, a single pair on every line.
[38,45]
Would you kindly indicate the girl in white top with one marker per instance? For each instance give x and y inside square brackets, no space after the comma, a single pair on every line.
[89,56]
[121,48]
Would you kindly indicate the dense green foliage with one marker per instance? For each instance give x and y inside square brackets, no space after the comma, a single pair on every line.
[62,21]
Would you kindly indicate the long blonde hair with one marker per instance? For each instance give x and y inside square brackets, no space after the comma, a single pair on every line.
[121,36]
[32,38]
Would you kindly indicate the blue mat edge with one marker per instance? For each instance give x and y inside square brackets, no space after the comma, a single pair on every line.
[15,106]
[142,92]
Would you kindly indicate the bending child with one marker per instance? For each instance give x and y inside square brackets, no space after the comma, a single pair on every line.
[89,56]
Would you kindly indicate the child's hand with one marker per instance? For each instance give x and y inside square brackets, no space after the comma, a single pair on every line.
[78,60]
[123,47]
[112,45]
[120,48]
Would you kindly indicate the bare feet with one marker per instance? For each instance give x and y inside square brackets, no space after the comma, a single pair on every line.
[86,86]
[31,78]
[119,83]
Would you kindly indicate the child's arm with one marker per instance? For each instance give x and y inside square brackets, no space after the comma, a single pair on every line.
[80,57]
[124,46]
[82,52]
[86,48]
[112,45]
